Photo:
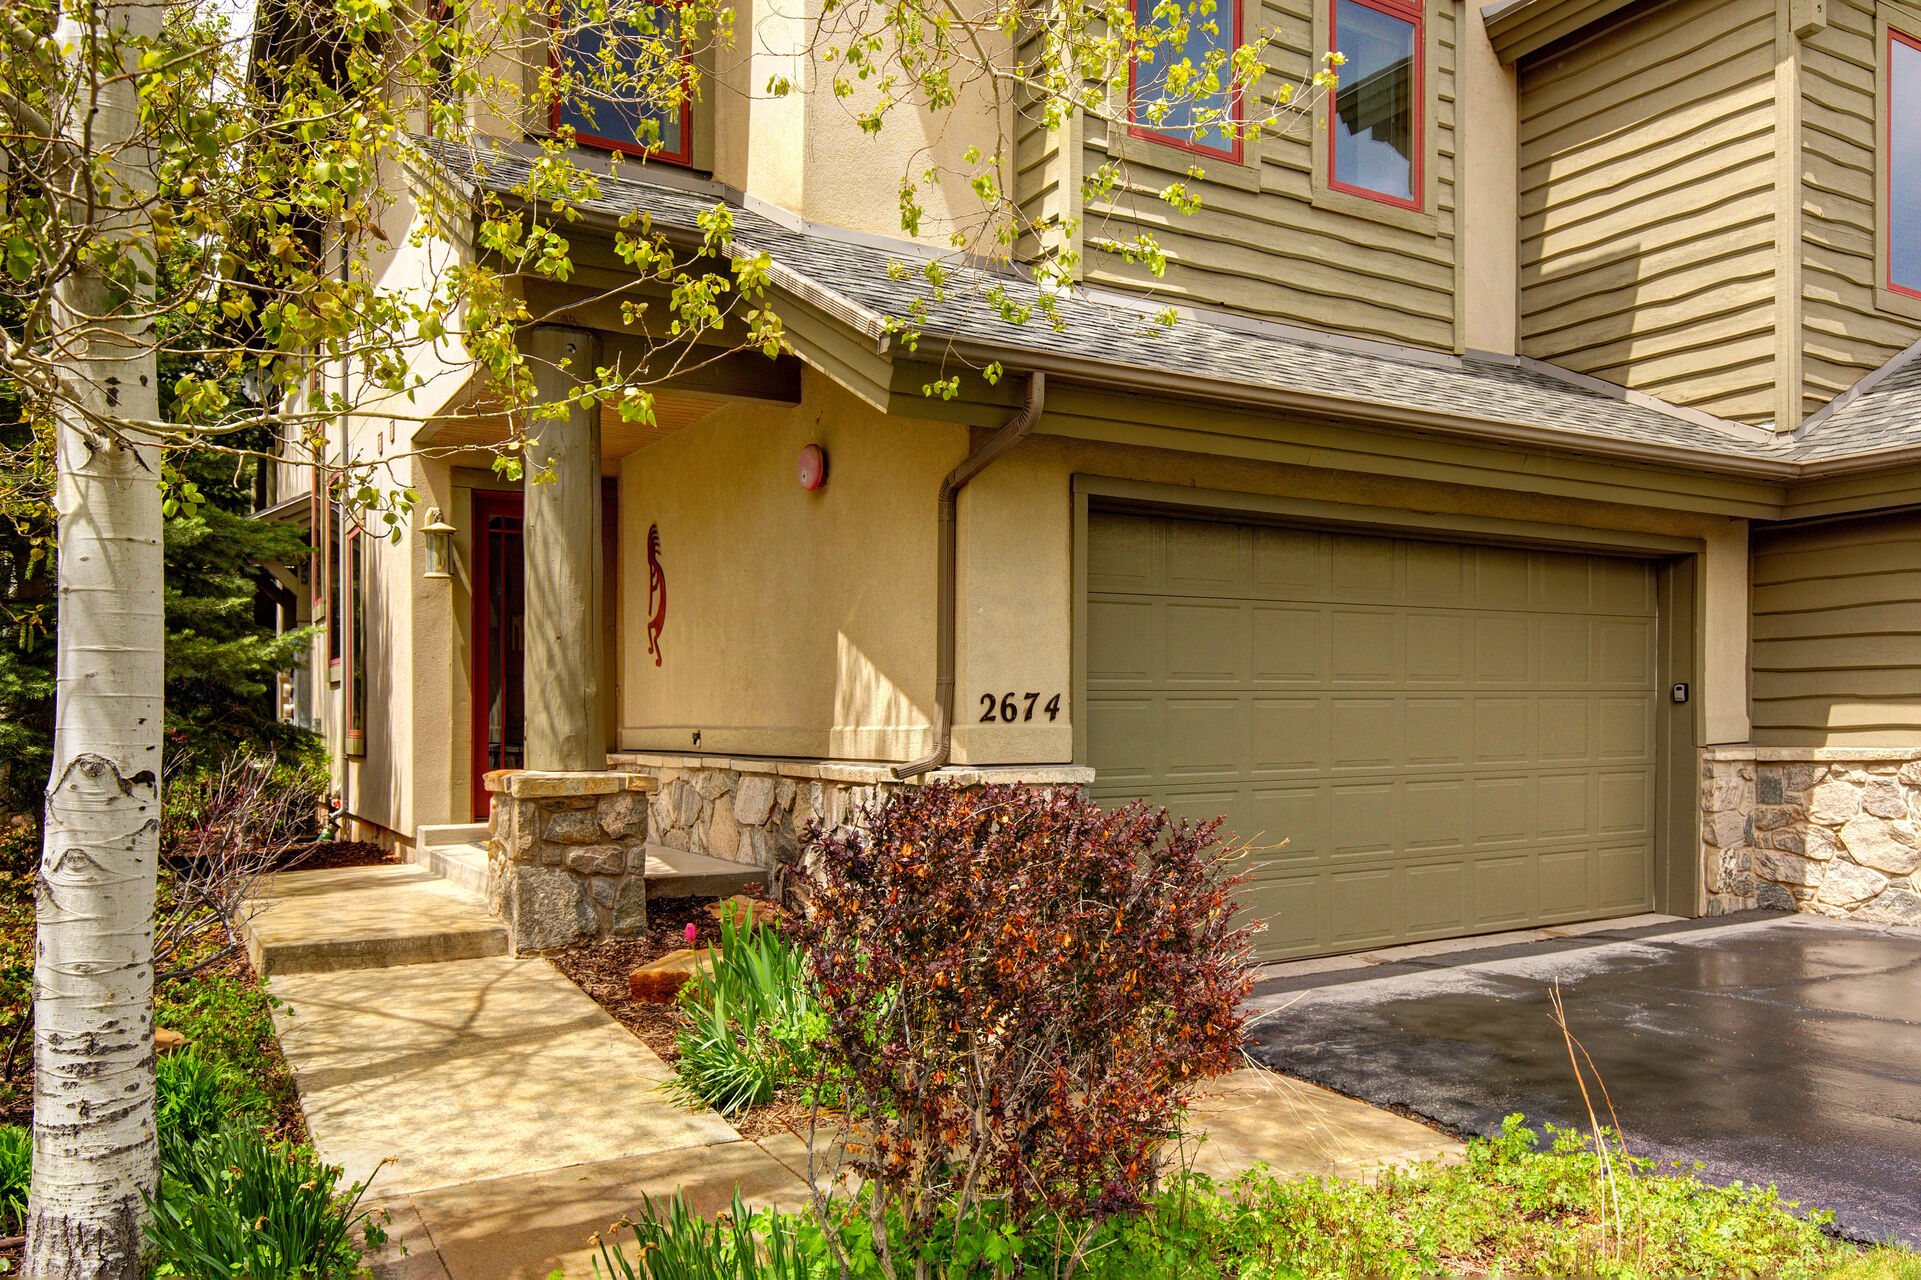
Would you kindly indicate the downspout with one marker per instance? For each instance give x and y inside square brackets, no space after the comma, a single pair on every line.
[946,568]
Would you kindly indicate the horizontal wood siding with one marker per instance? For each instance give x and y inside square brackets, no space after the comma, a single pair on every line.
[1272,252]
[1647,190]
[1836,646]
[1847,335]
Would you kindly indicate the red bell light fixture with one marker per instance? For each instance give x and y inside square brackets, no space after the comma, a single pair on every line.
[813,468]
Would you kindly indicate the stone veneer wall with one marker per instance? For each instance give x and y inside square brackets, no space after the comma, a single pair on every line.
[755,810]
[1827,830]
[566,856]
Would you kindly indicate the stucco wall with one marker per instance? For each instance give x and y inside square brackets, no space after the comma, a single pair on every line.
[797,624]
[802,625]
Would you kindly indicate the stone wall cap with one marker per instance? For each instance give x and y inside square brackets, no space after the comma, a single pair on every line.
[1816,755]
[862,773]
[533,784]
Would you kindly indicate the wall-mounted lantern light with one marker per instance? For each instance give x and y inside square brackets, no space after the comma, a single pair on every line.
[440,545]
[813,467]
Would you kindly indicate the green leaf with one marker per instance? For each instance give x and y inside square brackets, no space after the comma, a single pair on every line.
[21,258]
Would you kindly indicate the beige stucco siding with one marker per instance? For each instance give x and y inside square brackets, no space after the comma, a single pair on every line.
[803,624]
[797,624]
[1851,324]
[1647,205]
[1837,633]
[1268,239]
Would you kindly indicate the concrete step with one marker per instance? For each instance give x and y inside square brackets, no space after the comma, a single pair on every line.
[450,833]
[462,865]
[367,918]
[676,873]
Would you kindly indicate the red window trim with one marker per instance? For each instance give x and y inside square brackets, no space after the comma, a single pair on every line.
[1415,13]
[682,155]
[1180,142]
[1887,149]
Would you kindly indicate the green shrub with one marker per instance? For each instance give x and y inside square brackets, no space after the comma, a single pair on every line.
[742,1245]
[190,1102]
[16,1174]
[228,1018]
[238,1204]
[752,1025]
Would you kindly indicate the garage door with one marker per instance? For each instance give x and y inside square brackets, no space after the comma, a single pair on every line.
[1450,739]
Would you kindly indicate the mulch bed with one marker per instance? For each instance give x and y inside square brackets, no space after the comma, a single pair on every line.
[331,855]
[601,971]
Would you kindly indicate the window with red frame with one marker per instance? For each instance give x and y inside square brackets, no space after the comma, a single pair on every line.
[1194,121]
[1374,126]
[1904,163]
[611,63]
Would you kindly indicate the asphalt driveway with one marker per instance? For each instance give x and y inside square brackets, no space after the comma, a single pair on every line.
[1772,1048]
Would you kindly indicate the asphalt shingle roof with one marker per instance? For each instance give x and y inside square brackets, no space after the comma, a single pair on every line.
[1197,347]
[1884,416]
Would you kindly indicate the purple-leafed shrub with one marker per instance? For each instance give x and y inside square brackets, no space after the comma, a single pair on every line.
[1021,992]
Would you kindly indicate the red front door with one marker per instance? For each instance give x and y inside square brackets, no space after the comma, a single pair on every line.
[499,726]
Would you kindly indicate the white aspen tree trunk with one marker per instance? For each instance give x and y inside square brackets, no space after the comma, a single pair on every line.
[93,1108]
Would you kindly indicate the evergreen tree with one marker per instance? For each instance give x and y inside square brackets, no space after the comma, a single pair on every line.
[222,652]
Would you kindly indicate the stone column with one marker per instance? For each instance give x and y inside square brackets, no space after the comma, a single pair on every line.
[562,541]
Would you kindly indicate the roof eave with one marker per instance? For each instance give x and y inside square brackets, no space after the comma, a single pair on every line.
[1220,391]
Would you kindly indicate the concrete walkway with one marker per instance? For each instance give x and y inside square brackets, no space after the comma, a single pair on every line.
[505,1118]
[503,1115]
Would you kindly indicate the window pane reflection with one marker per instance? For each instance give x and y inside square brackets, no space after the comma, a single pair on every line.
[1374,122]
[1904,164]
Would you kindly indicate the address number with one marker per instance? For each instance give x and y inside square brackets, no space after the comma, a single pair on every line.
[1006,708]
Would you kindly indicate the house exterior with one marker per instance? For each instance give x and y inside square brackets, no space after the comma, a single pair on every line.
[1518,527]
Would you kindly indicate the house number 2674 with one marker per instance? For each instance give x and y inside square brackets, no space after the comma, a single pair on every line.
[1007,707]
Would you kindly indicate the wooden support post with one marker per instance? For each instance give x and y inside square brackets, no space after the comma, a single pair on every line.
[562,541]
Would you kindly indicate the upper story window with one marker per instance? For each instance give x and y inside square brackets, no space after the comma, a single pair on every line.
[1904,163]
[611,64]
[1193,119]
[1375,127]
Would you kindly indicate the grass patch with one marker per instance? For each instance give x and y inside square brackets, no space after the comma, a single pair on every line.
[1506,1209]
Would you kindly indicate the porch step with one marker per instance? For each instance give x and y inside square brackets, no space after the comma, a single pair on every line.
[367,918]
[450,833]
[462,865]
[676,873]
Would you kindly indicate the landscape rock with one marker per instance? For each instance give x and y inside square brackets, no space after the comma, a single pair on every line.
[657,981]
